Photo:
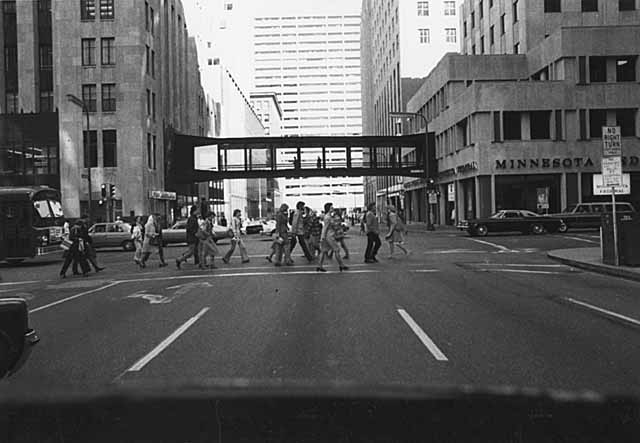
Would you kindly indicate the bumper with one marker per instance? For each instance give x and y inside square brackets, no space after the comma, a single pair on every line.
[30,339]
[49,250]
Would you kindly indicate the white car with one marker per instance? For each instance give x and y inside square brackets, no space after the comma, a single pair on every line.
[268,227]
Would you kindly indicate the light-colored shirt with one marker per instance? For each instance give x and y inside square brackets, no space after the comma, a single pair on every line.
[372,223]
[236,225]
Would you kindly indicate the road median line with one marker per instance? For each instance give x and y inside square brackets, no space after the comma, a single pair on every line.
[603,311]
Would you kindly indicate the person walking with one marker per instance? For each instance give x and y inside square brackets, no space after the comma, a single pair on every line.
[192,240]
[396,230]
[150,240]
[76,251]
[236,226]
[90,251]
[315,231]
[137,236]
[282,237]
[332,224]
[373,234]
[159,241]
[223,220]
[297,231]
[206,244]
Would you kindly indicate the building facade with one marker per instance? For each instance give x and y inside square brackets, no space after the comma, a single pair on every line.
[401,42]
[129,62]
[522,128]
[312,62]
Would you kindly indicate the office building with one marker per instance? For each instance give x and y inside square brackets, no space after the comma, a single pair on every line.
[402,41]
[312,62]
[521,127]
[130,63]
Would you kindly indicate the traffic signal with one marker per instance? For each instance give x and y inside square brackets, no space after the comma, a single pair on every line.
[100,202]
[103,191]
[112,191]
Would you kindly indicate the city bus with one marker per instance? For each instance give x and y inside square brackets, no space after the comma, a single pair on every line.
[31,221]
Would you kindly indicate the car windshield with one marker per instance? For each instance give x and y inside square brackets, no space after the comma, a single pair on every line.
[322,193]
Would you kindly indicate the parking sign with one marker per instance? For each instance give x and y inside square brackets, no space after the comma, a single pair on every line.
[612,171]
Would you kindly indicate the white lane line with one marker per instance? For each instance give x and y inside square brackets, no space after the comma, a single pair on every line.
[72,297]
[521,265]
[522,271]
[604,311]
[426,270]
[455,251]
[166,342]
[581,239]
[13,283]
[493,245]
[248,274]
[424,338]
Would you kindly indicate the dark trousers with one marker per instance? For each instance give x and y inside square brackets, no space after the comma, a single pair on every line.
[303,245]
[73,255]
[373,244]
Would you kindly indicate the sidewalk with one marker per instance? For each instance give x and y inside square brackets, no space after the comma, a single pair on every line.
[589,259]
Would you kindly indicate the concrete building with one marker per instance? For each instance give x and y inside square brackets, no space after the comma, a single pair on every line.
[401,42]
[312,62]
[525,130]
[131,63]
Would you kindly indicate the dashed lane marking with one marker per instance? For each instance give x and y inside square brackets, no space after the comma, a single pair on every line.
[522,271]
[424,338]
[493,245]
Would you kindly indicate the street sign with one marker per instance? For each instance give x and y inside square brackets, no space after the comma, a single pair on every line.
[433,198]
[611,141]
[612,171]
[600,189]
[451,192]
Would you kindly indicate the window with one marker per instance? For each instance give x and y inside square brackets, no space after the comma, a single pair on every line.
[148,58]
[597,119]
[152,21]
[496,126]
[228,6]
[90,149]
[515,11]
[106,9]
[149,153]
[559,131]
[209,62]
[146,15]
[464,28]
[107,51]
[449,8]
[626,69]
[516,48]
[89,97]
[148,102]
[154,146]
[597,69]
[109,148]
[627,5]
[12,102]
[552,6]
[491,35]
[46,101]
[511,125]
[424,35]
[473,19]
[482,45]
[87,9]
[582,70]
[450,35]
[88,51]
[46,57]
[153,105]
[481,9]
[153,63]
[589,5]
[540,122]
[582,117]
[502,24]
[423,8]
[108,97]
[626,119]
[490,3]
[473,50]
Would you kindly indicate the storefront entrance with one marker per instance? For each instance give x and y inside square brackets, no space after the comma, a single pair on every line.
[532,192]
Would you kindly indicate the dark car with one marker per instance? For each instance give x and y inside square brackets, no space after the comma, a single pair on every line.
[513,220]
[588,215]
[16,337]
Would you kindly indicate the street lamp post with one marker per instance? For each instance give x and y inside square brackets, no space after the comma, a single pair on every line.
[397,114]
[78,102]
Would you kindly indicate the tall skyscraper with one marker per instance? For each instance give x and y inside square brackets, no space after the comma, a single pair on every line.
[311,61]
[402,41]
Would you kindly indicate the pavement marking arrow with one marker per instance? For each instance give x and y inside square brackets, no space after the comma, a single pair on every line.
[493,245]
[186,287]
[153,299]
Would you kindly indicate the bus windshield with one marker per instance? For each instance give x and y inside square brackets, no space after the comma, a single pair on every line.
[42,208]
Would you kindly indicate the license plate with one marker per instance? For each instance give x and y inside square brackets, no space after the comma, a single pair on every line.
[55,232]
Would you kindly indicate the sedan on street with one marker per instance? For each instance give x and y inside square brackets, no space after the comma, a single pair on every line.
[178,233]
[112,235]
[513,220]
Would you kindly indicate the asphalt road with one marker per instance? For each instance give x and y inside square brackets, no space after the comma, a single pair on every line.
[486,312]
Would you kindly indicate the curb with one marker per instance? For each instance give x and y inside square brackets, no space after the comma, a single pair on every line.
[597,268]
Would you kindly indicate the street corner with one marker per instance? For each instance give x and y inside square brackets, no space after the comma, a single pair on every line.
[590,259]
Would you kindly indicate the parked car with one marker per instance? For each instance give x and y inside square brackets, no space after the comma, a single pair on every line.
[251,227]
[16,337]
[513,220]
[178,233]
[587,215]
[112,235]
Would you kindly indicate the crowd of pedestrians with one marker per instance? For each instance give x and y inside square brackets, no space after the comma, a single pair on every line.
[78,249]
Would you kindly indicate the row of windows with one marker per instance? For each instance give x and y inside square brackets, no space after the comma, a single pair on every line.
[88,9]
[423,8]
[424,35]
[588,5]
[107,51]
[625,68]
[29,160]
[109,148]
[89,97]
